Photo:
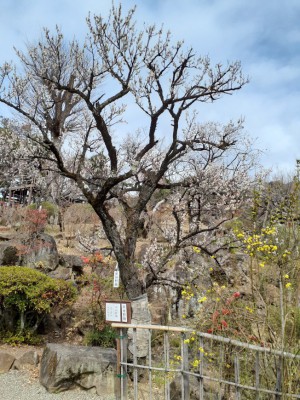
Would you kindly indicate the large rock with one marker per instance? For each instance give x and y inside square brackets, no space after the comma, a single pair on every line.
[39,251]
[65,367]
[6,362]
[62,273]
[140,316]
[70,267]
[72,261]
[31,357]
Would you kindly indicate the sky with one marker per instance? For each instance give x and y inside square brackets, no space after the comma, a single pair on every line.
[263,35]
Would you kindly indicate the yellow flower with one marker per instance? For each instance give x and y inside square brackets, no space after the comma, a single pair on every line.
[183,316]
[202,299]
[288,285]
[196,363]
[201,349]
[262,264]
[286,276]
[196,249]
[187,341]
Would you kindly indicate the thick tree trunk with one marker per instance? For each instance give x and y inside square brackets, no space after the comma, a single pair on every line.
[22,321]
[124,252]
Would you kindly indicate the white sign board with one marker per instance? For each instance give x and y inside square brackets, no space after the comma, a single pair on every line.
[113,312]
[118,311]
[116,278]
[124,312]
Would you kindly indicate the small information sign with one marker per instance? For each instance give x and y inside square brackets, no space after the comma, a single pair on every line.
[116,278]
[118,311]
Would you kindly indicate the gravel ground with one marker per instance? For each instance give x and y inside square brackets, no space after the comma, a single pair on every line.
[19,385]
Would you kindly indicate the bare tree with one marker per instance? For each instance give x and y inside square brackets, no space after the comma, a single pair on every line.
[75,98]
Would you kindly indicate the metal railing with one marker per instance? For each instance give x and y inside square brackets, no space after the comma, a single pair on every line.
[195,365]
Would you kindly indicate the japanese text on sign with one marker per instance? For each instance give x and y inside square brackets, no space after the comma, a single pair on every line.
[118,311]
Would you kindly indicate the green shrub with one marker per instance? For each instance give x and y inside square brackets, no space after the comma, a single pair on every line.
[104,337]
[27,295]
[26,337]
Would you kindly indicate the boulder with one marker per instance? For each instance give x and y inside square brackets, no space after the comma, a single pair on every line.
[62,273]
[6,362]
[71,261]
[41,250]
[70,267]
[29,358]
[65,367]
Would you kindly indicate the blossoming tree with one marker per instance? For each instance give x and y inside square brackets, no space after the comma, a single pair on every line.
[76,96]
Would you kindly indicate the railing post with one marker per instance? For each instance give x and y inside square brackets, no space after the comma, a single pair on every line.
[167,365]
[135,360]
[237,377]
[201,359]
[118,389]
[150,362]
[279,379]
[124,345]
[185,368]
[257,375]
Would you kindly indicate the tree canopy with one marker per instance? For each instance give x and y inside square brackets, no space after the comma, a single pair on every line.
[75,99]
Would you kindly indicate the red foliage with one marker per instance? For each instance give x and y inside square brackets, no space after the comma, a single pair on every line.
[224,323]
[93,261]
[215,316]
[96,286]
[226,311]
[35,220]
[221,324]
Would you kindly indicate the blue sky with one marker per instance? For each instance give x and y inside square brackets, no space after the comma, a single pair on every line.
[264,36]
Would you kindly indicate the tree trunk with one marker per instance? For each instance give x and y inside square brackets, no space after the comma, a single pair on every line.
[124,251]
[22,321]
